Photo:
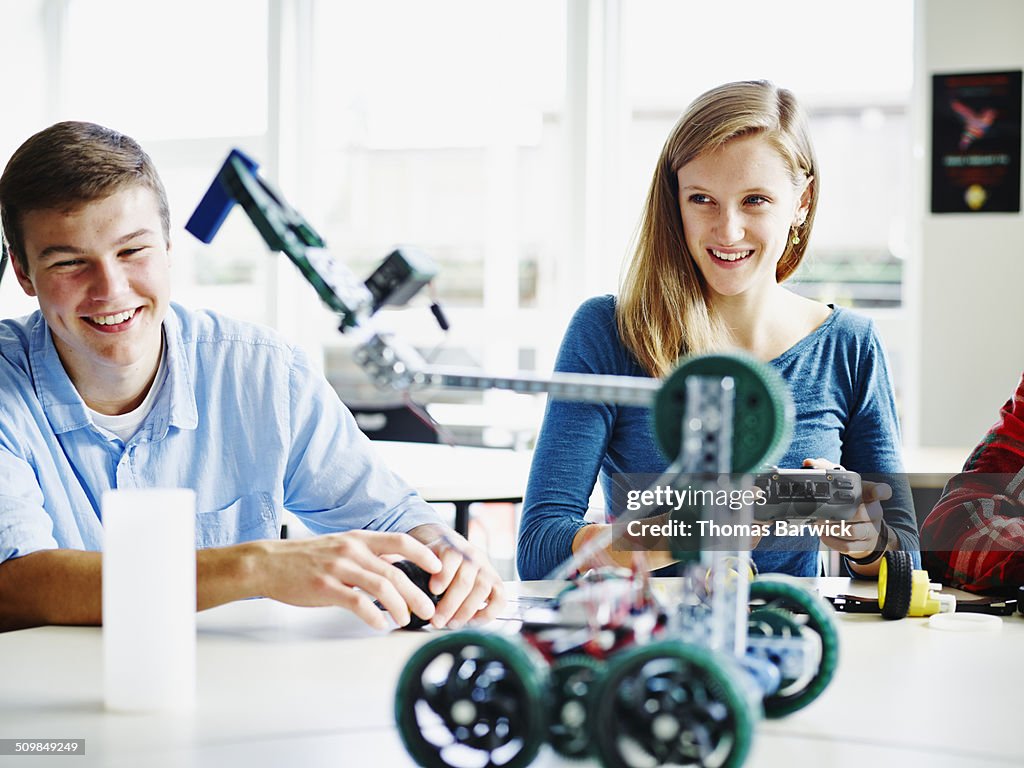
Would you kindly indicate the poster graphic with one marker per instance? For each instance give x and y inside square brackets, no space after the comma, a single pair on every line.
[976,142]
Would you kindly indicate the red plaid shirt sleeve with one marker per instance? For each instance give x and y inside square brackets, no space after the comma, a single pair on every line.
[974,537]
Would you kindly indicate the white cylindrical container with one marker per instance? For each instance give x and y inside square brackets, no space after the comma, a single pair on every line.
[149,599]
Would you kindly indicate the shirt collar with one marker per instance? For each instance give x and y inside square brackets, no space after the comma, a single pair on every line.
[61,402]
[179,409]
[64,407]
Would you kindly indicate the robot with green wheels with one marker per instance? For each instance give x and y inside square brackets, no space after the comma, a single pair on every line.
[609,668]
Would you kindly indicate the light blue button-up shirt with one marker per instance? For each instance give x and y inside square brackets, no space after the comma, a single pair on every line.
[241,419]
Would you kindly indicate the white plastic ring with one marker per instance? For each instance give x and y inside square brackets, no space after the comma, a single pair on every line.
[965,622]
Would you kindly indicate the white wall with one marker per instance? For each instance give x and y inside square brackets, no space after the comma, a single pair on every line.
[969,287]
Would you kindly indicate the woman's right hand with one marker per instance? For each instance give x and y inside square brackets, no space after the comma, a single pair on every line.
[652,553]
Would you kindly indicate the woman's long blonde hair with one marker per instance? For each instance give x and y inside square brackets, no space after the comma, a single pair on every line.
[663,311]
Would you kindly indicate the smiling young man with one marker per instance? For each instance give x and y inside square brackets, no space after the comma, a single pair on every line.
[111,385]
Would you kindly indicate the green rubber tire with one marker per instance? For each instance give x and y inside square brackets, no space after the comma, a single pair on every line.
[777,622]
[773,593]
[763,414]
[661,698]
[574,678]
[523,681]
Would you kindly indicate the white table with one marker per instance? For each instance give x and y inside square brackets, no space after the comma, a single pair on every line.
[459,475]
[283,686]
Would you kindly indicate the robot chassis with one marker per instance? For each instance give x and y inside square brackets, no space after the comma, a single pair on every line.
[609,668]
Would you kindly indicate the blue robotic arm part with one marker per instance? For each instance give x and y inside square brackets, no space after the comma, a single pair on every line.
[220,198]
[395,281]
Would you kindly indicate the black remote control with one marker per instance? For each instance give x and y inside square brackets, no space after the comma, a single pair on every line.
[808,494]
[421,579]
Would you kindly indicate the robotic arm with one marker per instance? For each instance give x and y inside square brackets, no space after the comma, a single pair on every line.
[395,281]
[713,415]
[388,362]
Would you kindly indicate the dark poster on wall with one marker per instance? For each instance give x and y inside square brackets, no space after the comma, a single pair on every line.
[976,133]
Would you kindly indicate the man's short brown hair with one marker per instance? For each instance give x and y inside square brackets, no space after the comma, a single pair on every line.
[67,165]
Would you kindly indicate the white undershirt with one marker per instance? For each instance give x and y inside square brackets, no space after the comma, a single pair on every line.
[125,425]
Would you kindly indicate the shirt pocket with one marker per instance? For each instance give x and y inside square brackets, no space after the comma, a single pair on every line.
[248,518]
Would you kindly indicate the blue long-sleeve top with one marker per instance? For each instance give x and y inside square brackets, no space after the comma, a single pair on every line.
[845,413]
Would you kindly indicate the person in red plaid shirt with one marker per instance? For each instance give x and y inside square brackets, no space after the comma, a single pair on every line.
[974,537]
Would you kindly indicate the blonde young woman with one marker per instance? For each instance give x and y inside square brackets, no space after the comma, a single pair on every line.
[727,220]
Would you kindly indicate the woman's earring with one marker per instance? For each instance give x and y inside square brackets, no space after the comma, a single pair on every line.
[795,240]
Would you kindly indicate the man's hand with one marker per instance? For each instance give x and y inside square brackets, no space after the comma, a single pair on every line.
[471,586]
[349,570]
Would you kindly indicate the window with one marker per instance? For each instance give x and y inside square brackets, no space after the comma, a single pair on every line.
[25,106]
[857,106]
[450,141]
[189,83]
[512,140]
